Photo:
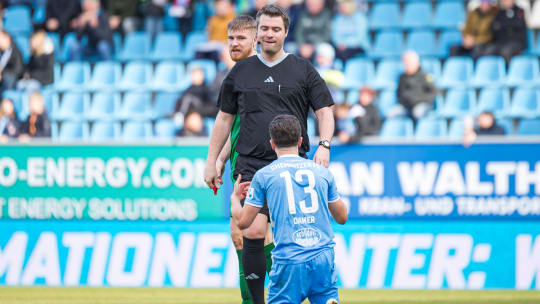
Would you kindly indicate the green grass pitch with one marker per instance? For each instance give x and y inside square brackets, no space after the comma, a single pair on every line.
[65,295]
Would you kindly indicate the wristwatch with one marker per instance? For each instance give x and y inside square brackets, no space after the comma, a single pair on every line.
[325,143]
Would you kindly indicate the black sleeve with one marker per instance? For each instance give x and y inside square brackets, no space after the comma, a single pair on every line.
[318,92]
[227,101]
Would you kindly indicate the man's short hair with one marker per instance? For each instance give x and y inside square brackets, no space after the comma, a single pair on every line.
[285,130]
[273,10]
[242,22]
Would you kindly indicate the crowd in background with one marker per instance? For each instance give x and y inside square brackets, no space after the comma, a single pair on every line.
[328,33]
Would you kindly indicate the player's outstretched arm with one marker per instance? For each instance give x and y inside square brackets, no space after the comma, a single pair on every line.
[338,211]
[325,118]
[243,216]
[220,133]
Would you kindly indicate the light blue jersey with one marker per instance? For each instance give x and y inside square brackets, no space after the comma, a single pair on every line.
[298,192]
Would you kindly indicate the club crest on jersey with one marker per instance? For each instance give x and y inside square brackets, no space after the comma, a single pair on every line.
[332,301]
[250,194]
[307,237]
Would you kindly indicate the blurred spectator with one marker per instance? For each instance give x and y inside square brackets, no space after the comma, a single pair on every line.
[40,68]
[365,115]
[60,15]
[37,124]
[9,124]
[154,10]
[477,32]
[193,125]
[11,63]
[509,31]
[183,10]
[217,31]
[228,63]
[256,7]
[485,126]
[343,125]
[93,23]
[349,31]
[416,90]
[123,15]
[196,98]
[293,10]
[313,27]
[324,63]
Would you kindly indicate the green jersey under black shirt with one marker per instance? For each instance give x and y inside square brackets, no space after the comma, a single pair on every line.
[258,91]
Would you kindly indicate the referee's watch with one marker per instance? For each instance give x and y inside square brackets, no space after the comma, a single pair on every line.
[325,143]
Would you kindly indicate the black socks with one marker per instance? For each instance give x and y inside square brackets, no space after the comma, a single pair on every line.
[254,261]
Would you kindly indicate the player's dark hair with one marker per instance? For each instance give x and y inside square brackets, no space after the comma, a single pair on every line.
[285,130]
[242,22]
[274,10]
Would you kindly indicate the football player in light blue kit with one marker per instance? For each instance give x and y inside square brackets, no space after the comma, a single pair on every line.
[301,196]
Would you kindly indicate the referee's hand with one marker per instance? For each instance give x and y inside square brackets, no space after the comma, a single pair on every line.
[322,156]
[211,177]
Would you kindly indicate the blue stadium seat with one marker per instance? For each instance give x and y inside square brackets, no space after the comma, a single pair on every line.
[457,129]
[387,100]
[358,71]
[535,46]
[417,14]
[208,66]
[384,15]
[446,39]
[494,100]
[490,71]
[168,45]
[422,42]
[458,103]
[104,106]
[75,74]
[193,39]
[136,105]
[387,44]
[71,107]
[23,43]
[67,45]
[523,70]
[431,66]
[449,14]
[134,130]
[525,103]
[352,96]
[169,75]
[165,129]
[507,125]
[72,130]
[429,128]
[136,46]
[17,20]
[137,74]
[40,13]
[164,104]
[104,130]
[396,128]
[106,75]
[529,127]
[456,72]
[387,74]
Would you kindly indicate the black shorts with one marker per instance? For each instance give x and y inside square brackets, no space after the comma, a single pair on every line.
[247,166]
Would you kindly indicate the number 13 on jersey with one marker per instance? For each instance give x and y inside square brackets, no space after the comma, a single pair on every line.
[309,189]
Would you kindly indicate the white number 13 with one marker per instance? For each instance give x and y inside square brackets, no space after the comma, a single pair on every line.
[308,189]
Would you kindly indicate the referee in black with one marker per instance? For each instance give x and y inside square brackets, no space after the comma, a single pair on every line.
[260,88]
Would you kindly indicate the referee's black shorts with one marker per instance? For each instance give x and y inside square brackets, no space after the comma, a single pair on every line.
[247,166]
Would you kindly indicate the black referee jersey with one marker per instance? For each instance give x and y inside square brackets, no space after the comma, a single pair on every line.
[259,91]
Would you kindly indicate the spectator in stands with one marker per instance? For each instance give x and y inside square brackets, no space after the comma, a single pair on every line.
[365,115]
[9,124]
[416,90]
[256,7]
[197,97]
[11,63]
[60,15]
[477,32]
[228,63]
[324,63]
[293,10]
[93,23]
[193,125]
[485,126]
[39,71]
[153,20]
[183,10]
[217,31]
[509,31]
[349,31]
[123,15]
[313,27]
[37,124]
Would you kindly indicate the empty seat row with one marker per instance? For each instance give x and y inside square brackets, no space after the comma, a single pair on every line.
[103,130]
[447,14]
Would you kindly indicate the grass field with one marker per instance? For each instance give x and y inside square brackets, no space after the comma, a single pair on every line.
[51,295]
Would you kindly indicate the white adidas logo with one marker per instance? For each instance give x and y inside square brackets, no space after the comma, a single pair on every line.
[252,277]
[269,79]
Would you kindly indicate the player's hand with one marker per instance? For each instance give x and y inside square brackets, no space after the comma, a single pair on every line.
[220,168]
[211,177]
[322,156]
[240,189]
